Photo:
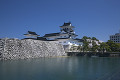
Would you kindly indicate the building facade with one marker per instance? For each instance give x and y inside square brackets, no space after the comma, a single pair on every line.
[66,36]
[115,38]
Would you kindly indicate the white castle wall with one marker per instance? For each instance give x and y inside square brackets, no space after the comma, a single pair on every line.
[28,48]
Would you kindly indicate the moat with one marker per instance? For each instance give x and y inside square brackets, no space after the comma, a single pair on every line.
[61,68]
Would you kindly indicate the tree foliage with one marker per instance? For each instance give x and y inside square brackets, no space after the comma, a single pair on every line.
[104,46]
[85,37]
[94,47]
[115,47]
[93,38]
[108,46]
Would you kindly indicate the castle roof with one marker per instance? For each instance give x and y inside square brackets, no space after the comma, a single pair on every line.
[79,40]
[51,34]
[67,24]
[41,38]
[57,34]
[31,33]
[44,39]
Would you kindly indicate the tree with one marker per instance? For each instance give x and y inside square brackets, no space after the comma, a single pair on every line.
[115,47]
[109,42]
[80,48]
[85,43]
[104,46]
[93,38]
[95,47]
[118,47]
[85,46]
[85,37]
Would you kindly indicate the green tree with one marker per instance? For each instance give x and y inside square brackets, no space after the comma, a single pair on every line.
[85,43]
[115,47]
[85,46]
[95,47]
[118,47]
[84,38]
[104,46]
[80,48]
[94,38]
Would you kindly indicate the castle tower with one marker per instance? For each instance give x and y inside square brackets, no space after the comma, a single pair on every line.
[67,28]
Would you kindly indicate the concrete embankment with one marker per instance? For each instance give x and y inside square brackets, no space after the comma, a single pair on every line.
[28,48]
[105,54]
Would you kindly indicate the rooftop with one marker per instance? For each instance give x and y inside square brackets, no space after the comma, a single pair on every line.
[31,33]
[51,34]
[67,24]
[80,40]
[117,34]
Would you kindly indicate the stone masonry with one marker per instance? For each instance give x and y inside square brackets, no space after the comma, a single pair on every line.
[29,48]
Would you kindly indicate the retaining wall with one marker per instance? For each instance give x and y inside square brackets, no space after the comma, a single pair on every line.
[28,48]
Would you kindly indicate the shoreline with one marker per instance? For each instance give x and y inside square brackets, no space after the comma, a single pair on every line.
[99,54]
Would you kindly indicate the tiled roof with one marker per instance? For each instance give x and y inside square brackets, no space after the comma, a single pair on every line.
[29,38]
[66,24]
[41,38]
[80,40]
[31,33]
[51,34]
[62,38]
[44,39]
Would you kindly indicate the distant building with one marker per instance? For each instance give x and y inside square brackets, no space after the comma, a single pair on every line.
[115,38]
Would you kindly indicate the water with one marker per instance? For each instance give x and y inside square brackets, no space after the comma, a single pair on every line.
[65,68]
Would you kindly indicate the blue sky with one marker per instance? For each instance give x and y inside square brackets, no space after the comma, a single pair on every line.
[93,18]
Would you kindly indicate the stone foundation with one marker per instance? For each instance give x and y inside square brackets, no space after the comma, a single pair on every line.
[28,48]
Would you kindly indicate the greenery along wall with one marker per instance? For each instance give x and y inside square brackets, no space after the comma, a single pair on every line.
[108,46]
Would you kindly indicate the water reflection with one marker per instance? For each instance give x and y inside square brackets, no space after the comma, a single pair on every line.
[69,68]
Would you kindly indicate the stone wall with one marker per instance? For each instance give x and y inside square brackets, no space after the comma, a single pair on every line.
[28,48]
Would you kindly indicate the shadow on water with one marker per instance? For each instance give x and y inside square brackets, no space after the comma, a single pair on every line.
[64,68]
